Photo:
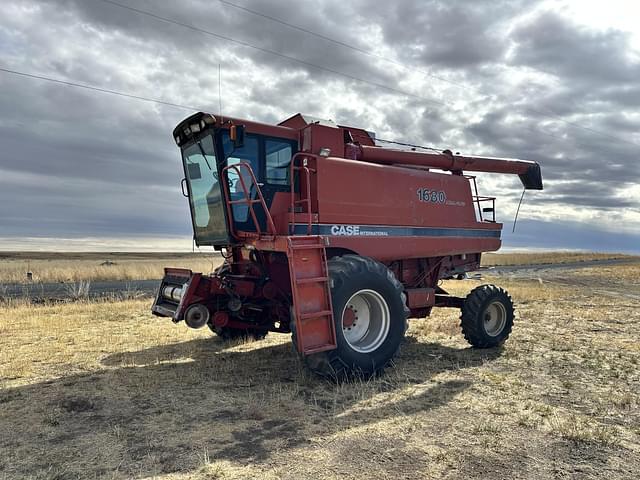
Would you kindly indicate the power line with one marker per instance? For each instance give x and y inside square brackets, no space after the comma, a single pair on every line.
[161,102]
[341,43]
[154,100]
[192,108]
[557,117]
[271,52]
[553,115]
[337,72]
[98,89]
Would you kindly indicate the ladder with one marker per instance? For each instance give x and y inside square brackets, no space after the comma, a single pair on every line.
[315,329]
[304,182]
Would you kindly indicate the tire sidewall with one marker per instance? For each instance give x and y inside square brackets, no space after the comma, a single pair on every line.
[377,358]
[501,297]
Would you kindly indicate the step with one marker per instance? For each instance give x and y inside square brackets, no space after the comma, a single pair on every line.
[306,246]
[311,295]
[302,281]
[322,313]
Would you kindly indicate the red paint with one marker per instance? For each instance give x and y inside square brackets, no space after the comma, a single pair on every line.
[348,317]
[220,319]
[444,161]
[350,191]
[420,297]
[312,310]
[362,196]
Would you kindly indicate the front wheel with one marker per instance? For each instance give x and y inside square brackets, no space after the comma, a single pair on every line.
[487,316]
[370,318]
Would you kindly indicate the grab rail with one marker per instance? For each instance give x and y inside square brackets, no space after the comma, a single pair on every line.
[478,199]
[247,200]
[307,179]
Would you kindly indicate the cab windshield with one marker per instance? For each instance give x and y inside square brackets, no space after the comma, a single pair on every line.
[269,159]
[205,195]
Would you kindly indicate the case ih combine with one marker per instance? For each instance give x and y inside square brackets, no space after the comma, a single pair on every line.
[333,239]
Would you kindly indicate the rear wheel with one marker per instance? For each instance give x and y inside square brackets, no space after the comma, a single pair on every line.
[370,318]
[487,316]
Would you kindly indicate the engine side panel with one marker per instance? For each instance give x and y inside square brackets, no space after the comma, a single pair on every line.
[389,212]
[350,191]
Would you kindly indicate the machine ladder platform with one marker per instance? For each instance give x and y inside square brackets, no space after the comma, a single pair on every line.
[310,288]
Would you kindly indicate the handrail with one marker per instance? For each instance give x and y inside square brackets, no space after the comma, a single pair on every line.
[307,176]
[477,199]
[271,228]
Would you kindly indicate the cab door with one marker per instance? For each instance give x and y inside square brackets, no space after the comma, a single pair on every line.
[276,172]
[249,153]
[270,160]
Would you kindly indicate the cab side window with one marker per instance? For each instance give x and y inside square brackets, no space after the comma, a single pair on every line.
[278,155]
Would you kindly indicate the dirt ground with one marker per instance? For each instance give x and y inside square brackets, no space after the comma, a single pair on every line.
[104,390]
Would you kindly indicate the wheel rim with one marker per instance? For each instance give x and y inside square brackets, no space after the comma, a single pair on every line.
[495,318]
[365,321]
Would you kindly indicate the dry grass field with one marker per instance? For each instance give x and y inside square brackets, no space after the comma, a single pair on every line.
[74,267]
[104,390]
[515,258]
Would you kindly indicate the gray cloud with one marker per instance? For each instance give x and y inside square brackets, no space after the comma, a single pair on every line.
[553,43]
[84,163]
[246,28]
[453,34]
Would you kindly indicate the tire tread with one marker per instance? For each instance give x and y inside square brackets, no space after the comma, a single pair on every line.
[472,328]
[330,364]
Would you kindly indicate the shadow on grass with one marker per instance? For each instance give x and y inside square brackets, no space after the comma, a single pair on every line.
[172,408]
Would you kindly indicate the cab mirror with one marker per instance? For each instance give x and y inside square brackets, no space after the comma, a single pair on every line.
[236,134]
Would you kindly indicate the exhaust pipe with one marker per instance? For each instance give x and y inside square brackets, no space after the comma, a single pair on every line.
[197,316]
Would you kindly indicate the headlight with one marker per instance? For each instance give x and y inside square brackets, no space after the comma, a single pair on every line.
[195,128]
[208,119]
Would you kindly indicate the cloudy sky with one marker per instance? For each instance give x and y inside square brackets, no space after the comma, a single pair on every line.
[551,81]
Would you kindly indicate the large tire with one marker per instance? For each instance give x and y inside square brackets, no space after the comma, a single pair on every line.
[370,317]
[230,334]
[487,316]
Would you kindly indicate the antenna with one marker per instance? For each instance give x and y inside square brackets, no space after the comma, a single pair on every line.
[220,91]
[518,210]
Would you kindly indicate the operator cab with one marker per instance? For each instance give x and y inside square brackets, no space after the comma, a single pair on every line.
[208,146]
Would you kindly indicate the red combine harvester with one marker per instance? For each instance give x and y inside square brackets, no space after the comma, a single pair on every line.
[333,239]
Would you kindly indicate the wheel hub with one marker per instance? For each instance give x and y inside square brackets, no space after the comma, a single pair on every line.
[495,318]
[365,321]
[349,317]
